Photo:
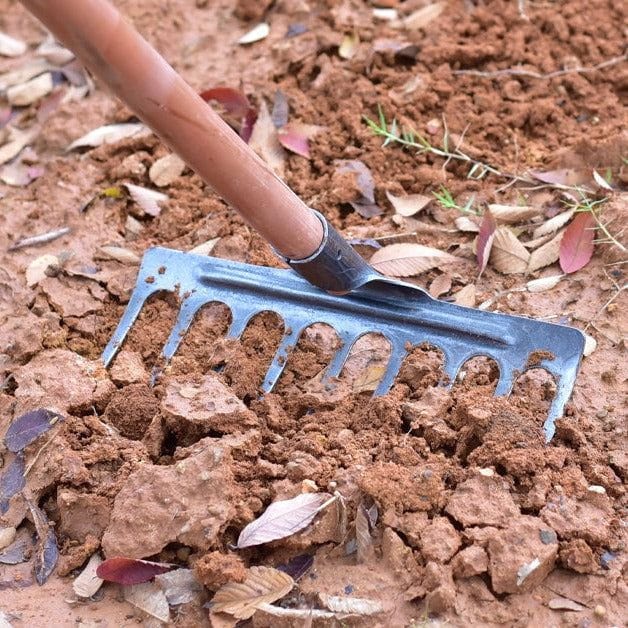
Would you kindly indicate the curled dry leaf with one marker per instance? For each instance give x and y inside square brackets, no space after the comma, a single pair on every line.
[351,605]
[109,134]
[307,614]
[601,181]
[205,248]
[488,226]
[46,550]
[283,518]
[281,109]
[263,585]
[423,16]
[150,599]
[257,33]
[12,481]
[265,143]
[179,586]
[406,260]
[35,89]
[117,253]
[509,214]
[54,52]
[148,200]
[17,141]
[546,254]
[385,14]
[441,285]
[576,245]
[130,570]
[87,582]
[11,47]
[7,536]
[408,205]
[562,177]
[467,224]
[466,296]
[20,174]
[508,255]
[238,111]
[166,170]
[26,428]
[295,136]
[543,283]
[364,185]
[40,268]
[553,224]
[363,539]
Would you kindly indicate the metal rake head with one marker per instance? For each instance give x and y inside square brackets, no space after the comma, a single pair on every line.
[402,313]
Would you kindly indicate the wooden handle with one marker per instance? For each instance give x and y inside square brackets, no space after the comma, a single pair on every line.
[119,56]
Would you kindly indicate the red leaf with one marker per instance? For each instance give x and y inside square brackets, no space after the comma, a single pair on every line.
[236,105]
[295,137]
[130,570]
[486,236]
[576,246]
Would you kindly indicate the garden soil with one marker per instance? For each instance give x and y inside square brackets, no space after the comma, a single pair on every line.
[480,522]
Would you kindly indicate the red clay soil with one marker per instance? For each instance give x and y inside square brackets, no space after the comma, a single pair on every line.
[467,490]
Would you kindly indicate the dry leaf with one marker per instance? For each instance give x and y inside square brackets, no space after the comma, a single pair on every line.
[117,253]
[166,170]
[129,571]
[537,242]
[488,226]
[408,205]
[564,604]
[295,136]
[553,224]
[307,614]
[422,17]
[37,269]
[17,141]
[46,550]
[259,32]
[24,73]
[508,255]
[179,586]
[54,52]
[149,598]
[563,177]
[110,134]
[351,605]
[11,47]
[349,46]
[466,296]
[543,283]
[87,582]
[368,379]
[465,223]
[546,254]
[576,245]
[20,174]
[265,143]
[601,181]
[262,586]
[441,285]
[363,184]
[363,539]
[205,248]
[508,214]
[27,93]
[406,260]
[148,200]
[283,518]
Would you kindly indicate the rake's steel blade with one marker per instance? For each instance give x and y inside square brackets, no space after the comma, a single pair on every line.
[404,314]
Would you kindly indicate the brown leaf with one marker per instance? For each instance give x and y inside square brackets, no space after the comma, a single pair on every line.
[423,16]
[363,538]
[352,605]
[150,599]
[508,255]
[466,296]
[408,205]
[441,285]
[166,170]
[466,223]
[11,47]
[406,260]
[488,226]
[509,214]
[265,143]
[576,245]
[262,586]
[564,176]
[368,379]
[543,283]
[364,201]
[546,254]
[553,224]
[25,94]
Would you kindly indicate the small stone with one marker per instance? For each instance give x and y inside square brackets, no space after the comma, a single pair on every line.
[7,536]
[599,611]
[439,540]
[128,368]
[594,488]
[548,537]
[487,473]
[471,561]
[601,414]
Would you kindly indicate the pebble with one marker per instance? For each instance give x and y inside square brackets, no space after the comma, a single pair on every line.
[599,611]
[601,414]
[594,488]
[487,472]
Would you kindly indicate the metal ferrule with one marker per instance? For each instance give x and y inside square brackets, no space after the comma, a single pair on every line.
[334,266]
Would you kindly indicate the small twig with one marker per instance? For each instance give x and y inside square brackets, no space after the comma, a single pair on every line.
[597,314]
[36,458]
[42,238]
[538,75]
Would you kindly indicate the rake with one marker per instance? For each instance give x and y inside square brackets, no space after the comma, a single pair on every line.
[332,283]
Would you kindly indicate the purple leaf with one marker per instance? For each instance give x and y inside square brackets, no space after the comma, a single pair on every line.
[46,550]
[16,553]
[367,210]
[11,481]
[130,570]
[297,566]
[25,429]
[281,110]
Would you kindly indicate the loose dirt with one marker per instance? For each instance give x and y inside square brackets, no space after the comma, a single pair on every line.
[467,491]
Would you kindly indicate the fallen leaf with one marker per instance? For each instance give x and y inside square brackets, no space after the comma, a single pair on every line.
[257,33]
[179,586]
[31,91]
[239,112]
[283,518]
[148,200]
[423,16]
[351,605]
[12,481]
[281,109]
[488,226]
[296,136]
[17,141]
[407,260]
[109,134]
[298,566]
[466,296]
[16,553]
[24,73]
[408,205]
[441,285]
[537,242]
[368,379]
[508,255]
[364,204]
[42,238]
[26,428]
[562,177]
[87,582]
[363,539]
[11,47]
[526,569]
[543,283]
[509,214]
[307,614]
[130,570]
[601,181]
[576,245]
[553,224]
[46,550]
[467,224]
[590,345]
[546,254]
[19,174]
[265,143]
[54,52]
[262,586]
[166,170]
[349,46]
[564,604]
[119,254]
[205,248]
[150,599]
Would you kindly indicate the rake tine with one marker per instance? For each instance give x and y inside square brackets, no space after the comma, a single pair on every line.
[504,383]
[240,319]
[397,355]
[188,311]
[278,364]
[340,357]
